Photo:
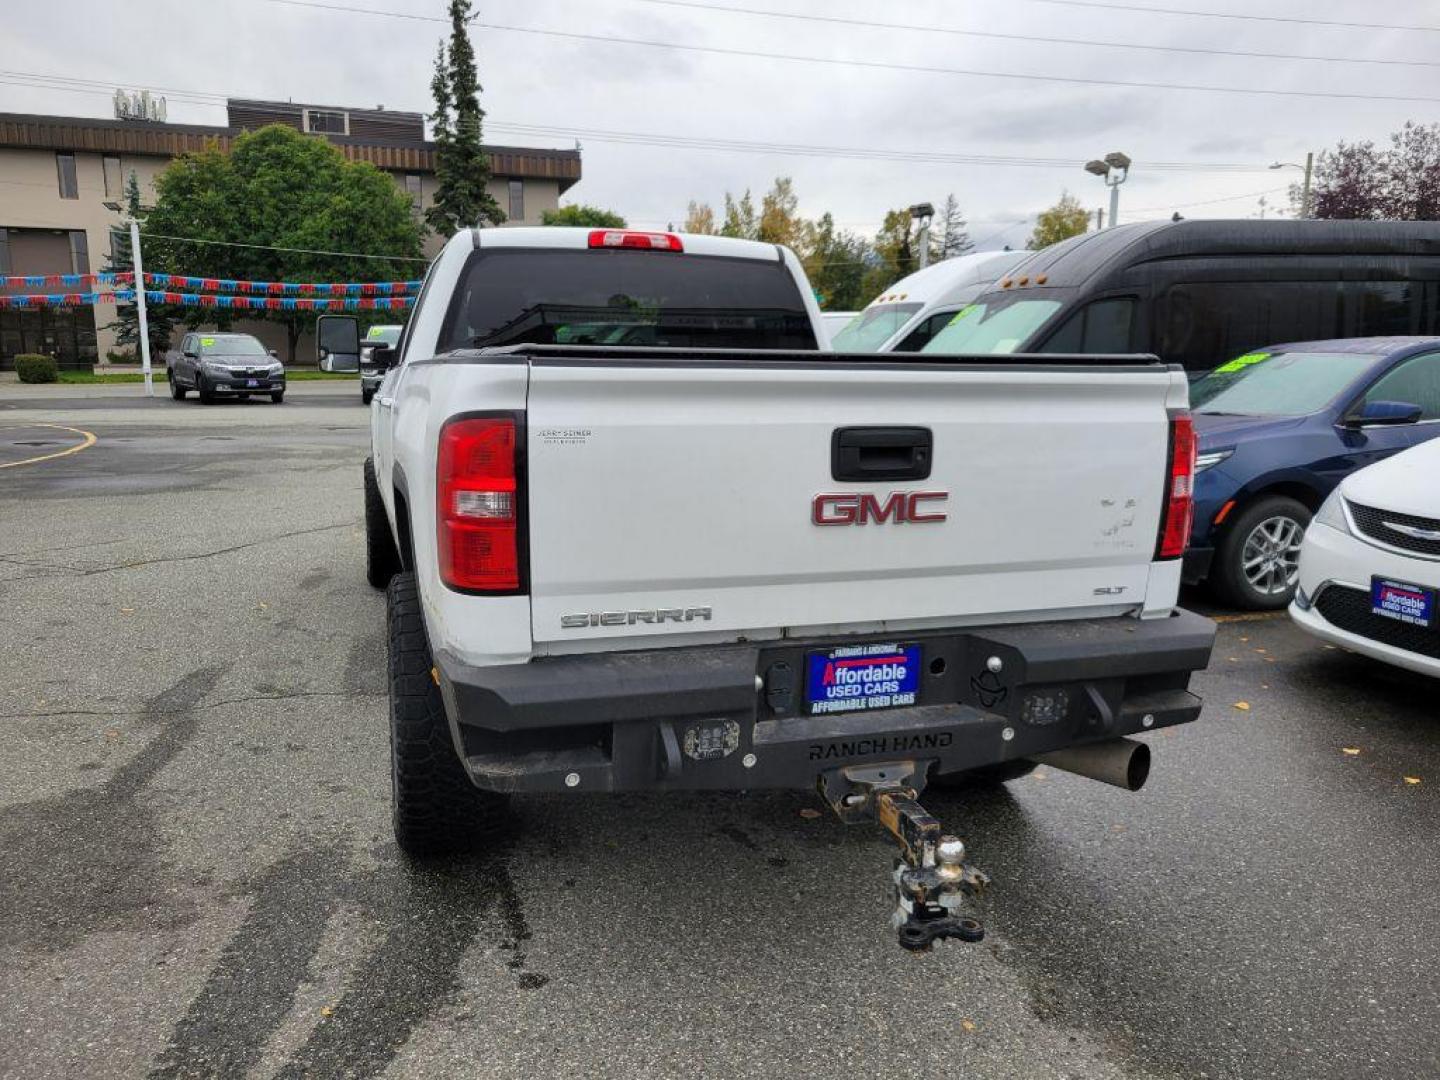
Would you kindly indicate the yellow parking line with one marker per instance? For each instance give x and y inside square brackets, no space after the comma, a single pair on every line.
[90,439]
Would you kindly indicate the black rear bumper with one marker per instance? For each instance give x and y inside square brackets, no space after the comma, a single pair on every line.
[734,716]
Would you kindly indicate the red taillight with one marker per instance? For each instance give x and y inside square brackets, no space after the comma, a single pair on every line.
[1179,489]
[646,241]
[478,504]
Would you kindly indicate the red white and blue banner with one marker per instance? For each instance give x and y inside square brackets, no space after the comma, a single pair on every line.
[277,303]
[284,288]
[68,281]
[27,301]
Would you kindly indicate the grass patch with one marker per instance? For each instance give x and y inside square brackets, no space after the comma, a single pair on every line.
[86,377]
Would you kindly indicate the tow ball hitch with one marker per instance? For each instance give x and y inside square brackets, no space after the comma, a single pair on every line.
[934,884]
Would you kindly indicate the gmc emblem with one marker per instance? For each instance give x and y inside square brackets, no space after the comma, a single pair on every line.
[899,507]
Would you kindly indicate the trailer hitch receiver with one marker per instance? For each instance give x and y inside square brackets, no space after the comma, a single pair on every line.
[934,885]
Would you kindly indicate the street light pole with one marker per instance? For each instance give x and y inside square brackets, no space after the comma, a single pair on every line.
[922,213]
[1305,191]
[1309,169]
[1114,169]
[138,266]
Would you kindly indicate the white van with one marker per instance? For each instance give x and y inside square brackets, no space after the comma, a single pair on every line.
[834,322]
[916,308]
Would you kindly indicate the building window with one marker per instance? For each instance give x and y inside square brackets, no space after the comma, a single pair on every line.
[5,253]
[412,186]
[79,252]
[114,184]
[65,170]
[517,200]
[321,122]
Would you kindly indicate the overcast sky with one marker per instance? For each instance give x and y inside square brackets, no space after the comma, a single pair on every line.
[266,49]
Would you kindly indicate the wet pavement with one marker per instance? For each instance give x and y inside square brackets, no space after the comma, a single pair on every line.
[199,878]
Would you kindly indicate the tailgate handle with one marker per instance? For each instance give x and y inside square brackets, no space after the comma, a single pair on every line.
[881,453]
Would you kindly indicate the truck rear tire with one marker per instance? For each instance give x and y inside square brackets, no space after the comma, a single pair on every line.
[437,810]
[382,560]
[990,776]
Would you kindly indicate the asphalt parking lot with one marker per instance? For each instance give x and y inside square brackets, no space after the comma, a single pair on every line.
[199,877]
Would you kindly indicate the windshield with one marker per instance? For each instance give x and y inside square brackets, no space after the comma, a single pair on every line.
[873,327]
[586,297]
[1277,384]
[231,346]
[999,326]
[382,335]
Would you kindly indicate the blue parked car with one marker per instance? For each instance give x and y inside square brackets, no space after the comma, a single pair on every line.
[1277,429]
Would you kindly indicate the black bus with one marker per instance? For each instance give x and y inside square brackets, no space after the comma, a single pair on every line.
[1198,293]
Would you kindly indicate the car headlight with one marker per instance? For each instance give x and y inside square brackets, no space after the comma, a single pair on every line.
[214,367]
[1210,459]
[277,369]
[1332,512]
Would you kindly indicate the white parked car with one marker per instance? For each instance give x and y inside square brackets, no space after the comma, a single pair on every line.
[1370,564]
[912,311]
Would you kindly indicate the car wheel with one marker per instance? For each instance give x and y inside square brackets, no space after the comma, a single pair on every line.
[203,392]
[278,396]
[382,560]
[176,390]
[437,810]
[365,396]
[1257,562]
[988,777]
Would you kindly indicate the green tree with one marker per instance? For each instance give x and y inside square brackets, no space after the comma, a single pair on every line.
[159,318]
[836,262]
[1065,219]
[740,219]
[894,255]
[462,170]
[580,214]
[277,189]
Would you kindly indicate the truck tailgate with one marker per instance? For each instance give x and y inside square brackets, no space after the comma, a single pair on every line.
[668,500]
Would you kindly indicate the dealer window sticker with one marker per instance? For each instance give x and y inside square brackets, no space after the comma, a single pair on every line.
[1249,359]
[207,341]
[965,311]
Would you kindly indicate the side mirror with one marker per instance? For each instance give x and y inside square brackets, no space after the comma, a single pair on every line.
[383,357]
[337,341]
[1385,413]
[192,354]
[273,353]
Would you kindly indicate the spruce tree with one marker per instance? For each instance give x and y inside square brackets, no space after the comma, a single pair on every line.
[462,171]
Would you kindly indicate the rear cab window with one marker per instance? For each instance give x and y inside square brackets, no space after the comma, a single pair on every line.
[567,296]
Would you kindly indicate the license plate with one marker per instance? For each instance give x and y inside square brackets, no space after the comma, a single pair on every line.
[252,382]
[857,678]
[1412,604]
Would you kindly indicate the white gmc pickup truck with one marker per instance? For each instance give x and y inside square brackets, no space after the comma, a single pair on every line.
[638,534]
